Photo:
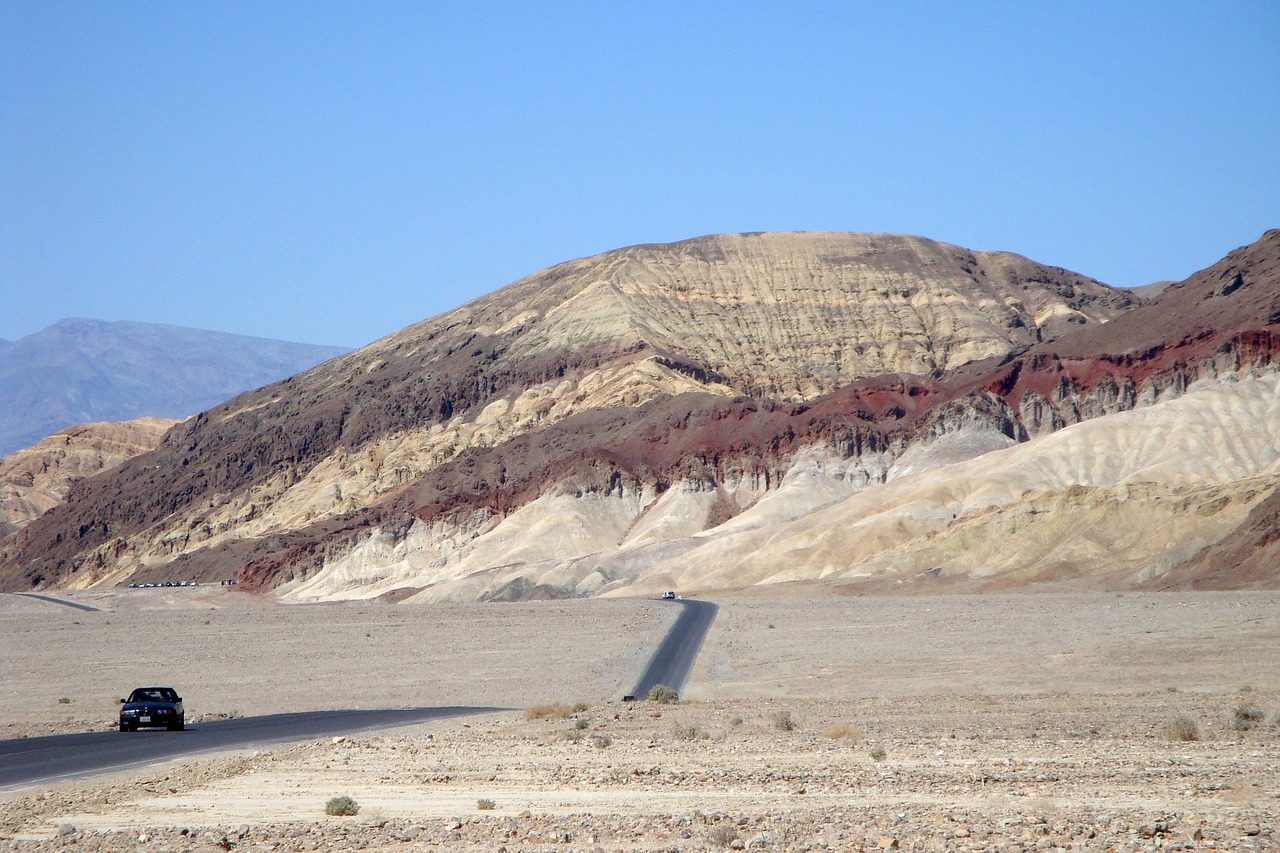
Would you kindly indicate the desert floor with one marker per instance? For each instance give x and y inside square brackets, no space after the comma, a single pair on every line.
[1000,722]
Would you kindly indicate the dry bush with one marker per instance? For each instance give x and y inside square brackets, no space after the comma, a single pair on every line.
[1180,729]
[722,835]
[782,721]
[878,754]
[343,806]
[581,724]
[1246,717]
[842,731]
[485,805]
[690,733]
[601,741]
[579,707]
[551,710]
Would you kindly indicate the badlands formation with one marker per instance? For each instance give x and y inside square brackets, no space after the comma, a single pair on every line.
[34,480]
[864,412]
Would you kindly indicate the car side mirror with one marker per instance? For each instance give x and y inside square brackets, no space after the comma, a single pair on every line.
[122,701]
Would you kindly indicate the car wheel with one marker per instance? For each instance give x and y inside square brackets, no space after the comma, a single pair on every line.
[175,727]
[124,727]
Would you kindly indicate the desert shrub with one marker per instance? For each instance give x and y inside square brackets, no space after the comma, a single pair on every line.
[485,805]
[878,754]
[736,721]
[551,710]
[722,835]
[842,731]
[782,721]
[1180,729]
[581,724]
[664,694]
[689,733]
[573,735]
[344,806]
[64,701]
[579,707]
[1245,717]
[601,741]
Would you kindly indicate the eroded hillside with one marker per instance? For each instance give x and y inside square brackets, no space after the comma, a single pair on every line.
[36,479]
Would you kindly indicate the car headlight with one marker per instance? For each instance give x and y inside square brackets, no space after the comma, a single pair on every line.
[129,712]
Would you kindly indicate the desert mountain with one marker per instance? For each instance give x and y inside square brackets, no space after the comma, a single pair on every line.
[717,412]
[79,371]
[37,478]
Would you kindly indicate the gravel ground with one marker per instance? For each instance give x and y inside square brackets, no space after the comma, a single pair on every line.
[811,724]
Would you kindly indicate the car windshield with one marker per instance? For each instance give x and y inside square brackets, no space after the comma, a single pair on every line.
[153,694]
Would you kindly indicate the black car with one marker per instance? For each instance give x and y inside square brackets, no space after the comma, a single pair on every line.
[152,707]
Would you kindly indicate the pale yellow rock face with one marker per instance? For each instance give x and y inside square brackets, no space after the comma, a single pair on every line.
[1111,502]
[1107,504]
[36,479]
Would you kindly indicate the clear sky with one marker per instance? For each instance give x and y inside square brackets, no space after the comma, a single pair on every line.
[332,172]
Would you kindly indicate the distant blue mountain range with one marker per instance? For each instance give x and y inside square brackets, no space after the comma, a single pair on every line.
[78,370]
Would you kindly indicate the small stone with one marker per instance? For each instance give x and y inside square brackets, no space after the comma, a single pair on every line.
[339,739]
[887,842]
[65,829]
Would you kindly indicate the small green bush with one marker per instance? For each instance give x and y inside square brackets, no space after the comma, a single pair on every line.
[343,806]
[664,694]
[736,721]
[782,721]
[581,724]
[878,754]
[64,701]
[579,707]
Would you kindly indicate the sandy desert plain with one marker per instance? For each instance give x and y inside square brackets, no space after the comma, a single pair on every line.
[812,721]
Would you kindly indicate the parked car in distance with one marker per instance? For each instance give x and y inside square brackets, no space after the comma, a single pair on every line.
[668,596]
[152,707]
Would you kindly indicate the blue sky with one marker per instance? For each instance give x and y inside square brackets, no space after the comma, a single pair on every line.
[330,173]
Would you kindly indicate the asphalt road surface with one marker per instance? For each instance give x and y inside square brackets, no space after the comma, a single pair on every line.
[674,658]
[46,759]
[52,600]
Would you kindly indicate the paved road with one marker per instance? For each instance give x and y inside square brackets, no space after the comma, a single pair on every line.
[45,759]
[53,600]
[673,660]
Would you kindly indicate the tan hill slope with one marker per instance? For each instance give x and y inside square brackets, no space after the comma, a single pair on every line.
[35,479]
[778,317]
